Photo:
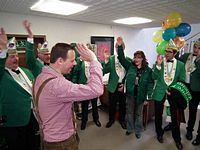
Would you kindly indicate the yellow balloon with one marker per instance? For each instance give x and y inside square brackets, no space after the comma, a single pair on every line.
[174,19]
[174,15]
[157,36]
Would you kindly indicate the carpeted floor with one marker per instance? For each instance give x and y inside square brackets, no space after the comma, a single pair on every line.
[114,138]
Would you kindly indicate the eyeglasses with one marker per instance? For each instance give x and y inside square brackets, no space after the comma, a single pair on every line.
[166,51]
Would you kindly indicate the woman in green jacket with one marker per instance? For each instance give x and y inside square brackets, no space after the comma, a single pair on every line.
[138,85]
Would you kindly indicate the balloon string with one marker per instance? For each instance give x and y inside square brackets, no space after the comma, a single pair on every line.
[192,36]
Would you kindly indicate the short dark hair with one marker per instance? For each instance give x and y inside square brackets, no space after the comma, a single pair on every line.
[144,61]
[60,50]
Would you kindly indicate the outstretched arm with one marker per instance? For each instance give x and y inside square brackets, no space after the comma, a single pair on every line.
[31,60]
[120,46]
[3,50]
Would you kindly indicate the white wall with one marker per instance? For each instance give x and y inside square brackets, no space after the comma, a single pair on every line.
[60,30]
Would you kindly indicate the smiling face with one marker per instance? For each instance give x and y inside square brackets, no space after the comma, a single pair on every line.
[138,60]
[169,54]
[12,61]
[196,48]
[45,57]
[69,63]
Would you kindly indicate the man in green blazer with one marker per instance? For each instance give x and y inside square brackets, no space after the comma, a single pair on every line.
[15,98]
[35,64]
[81,75]
[166,72]
[192,67]
[115,88]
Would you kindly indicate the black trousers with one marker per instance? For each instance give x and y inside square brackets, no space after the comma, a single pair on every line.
[198,131]
[113,99]
[159,105]
[177,106]
[84,105]
[24,137]
[193,104]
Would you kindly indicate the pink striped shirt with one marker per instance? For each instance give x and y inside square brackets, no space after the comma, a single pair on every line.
[57,97]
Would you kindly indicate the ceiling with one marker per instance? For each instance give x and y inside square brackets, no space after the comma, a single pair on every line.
[105,11]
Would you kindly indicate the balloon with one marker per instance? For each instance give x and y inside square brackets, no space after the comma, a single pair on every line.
[183,29]
[166,24]
[173,23]
[179,41]
[168,34]
[157,36]
[161,47]
[173,20]
[174,15]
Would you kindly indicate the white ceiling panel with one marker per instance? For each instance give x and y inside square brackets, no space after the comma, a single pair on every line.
[105,11]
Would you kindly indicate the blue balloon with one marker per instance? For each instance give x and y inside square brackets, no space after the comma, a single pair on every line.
[183,29]
[168,34]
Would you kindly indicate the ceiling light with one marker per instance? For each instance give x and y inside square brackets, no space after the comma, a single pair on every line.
[58,7]
[132,20]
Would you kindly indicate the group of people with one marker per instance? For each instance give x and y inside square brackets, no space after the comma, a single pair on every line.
[41,98]
[20,99]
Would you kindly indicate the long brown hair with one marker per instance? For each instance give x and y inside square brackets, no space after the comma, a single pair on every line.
[144,61]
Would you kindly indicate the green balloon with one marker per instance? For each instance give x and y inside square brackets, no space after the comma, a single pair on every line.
[161,47]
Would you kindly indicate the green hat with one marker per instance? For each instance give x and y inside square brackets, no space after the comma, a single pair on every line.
[183,90]
[11,46]
[172,45]
[43,48]
[197,42]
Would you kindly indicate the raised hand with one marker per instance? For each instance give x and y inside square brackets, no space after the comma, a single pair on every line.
[85,53]
[120,42]
[3,39]
[106,54]
[27,26]
[159,60]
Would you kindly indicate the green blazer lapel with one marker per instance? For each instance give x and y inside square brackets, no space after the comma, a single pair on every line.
[82,78]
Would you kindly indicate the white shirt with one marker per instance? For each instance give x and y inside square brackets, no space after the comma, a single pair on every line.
[119,70]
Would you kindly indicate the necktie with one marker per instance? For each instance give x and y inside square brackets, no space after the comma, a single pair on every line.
[46,64]
[171,61]
[16,71]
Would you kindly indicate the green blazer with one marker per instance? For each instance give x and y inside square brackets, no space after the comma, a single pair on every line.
[160,86]
[15,102]
[79,75]
[33,64]
[195,75]
[113,77]
[145,82]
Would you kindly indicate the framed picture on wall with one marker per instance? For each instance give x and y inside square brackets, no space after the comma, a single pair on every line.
[103,44]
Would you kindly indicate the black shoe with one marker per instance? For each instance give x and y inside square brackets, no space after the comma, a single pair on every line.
[168,127]
[98,123]
[189,135]
[128,133]
[83,125]
[123,125]
[138,136]
[196,141]
[179,145]
[109,124]
[160,138]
